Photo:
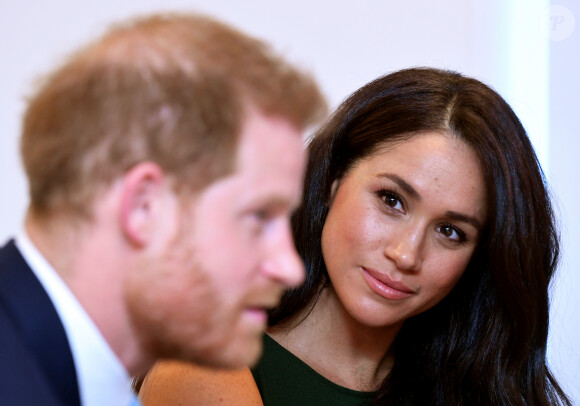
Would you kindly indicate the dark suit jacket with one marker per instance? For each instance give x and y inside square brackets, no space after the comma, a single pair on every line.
[36,364]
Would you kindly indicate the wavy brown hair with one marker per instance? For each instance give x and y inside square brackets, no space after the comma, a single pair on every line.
[485,343]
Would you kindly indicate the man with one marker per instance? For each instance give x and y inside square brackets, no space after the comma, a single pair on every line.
[163,163]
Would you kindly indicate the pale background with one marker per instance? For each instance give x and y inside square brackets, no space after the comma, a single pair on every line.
[529,50]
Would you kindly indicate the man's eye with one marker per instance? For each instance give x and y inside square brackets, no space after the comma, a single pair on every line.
[264,215]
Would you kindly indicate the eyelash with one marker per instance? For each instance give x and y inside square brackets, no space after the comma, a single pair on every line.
[385,194]
[462,237]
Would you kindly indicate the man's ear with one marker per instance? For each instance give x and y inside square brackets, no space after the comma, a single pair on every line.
[141,199]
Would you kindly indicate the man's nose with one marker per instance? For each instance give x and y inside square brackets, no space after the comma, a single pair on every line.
[283,263]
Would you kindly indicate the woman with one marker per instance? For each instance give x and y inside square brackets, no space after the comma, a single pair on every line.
[429,243]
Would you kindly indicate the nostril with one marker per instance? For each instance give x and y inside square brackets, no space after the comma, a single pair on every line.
[405,256]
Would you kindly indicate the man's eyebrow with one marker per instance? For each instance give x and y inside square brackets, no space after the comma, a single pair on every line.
[402,184]
[276,202]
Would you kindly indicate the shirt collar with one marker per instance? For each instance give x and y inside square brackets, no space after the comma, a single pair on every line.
[102,378]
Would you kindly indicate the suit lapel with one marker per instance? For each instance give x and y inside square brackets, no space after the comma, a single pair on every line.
[35,318]
[22,381]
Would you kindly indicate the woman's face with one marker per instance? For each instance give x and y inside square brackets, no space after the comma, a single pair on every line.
[402,227]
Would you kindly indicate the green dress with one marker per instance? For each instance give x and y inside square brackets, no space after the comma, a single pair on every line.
[284,380]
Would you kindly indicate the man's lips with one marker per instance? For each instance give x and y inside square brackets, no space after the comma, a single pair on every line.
[258,311]
[385,286]
[258,315]
[266,303]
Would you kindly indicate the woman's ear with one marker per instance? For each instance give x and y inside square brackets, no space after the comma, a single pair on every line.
[333,189]
[142,190]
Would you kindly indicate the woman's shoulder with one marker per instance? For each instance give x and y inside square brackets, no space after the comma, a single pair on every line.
[180,383]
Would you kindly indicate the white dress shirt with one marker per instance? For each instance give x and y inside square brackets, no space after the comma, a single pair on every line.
[102,379]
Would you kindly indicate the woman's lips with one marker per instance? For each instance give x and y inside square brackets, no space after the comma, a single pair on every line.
[384,286]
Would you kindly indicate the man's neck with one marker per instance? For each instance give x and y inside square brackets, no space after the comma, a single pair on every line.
[92,265]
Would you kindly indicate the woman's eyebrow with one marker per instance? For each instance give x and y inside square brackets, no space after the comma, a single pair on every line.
[402,184]
[415,195]
[464,218]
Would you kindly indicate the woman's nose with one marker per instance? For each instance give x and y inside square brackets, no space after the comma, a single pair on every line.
[405,249]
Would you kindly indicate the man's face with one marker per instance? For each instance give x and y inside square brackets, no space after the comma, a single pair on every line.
[226,256]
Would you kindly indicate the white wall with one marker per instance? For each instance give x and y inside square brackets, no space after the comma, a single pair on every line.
[564,174]
[346,44]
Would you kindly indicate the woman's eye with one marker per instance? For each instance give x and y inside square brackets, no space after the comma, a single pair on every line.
[392,200]
[451,233]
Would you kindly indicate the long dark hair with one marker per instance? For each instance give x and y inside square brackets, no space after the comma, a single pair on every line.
[485,343]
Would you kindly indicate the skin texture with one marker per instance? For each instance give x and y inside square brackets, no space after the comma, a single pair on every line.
[410,215]
[396,217]
[177,383]
[189,299]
